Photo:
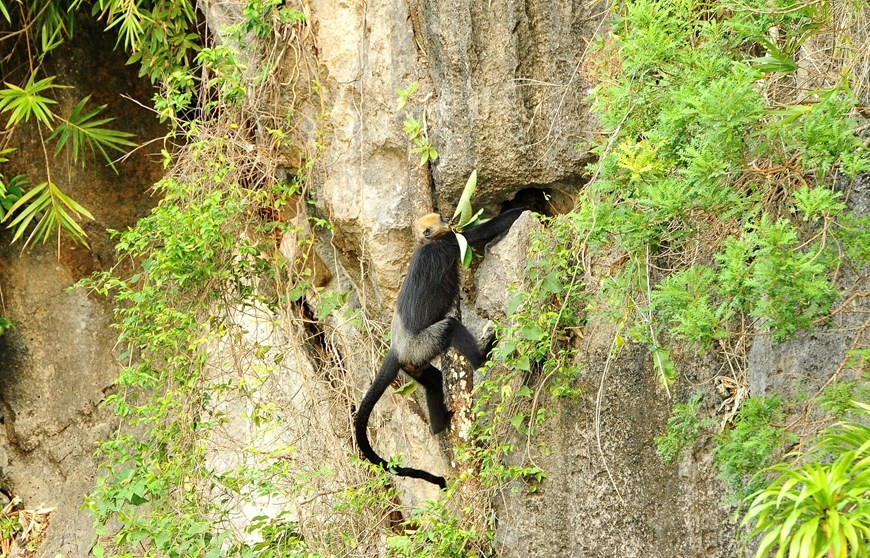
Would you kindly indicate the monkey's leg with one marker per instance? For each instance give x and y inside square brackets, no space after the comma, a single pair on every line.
[432,379]
[463,341]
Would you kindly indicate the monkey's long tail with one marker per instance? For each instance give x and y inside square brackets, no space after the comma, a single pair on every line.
[388,372]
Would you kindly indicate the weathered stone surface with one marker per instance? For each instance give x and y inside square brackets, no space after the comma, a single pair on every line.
[503,268]
[366,181]
[509,90]
[648,509]
[503,94]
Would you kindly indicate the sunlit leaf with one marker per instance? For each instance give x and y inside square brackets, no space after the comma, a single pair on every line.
[407,388]
[463,208]
[465,253]
[518,420]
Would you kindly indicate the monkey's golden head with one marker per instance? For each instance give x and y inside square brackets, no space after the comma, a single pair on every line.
[429,227]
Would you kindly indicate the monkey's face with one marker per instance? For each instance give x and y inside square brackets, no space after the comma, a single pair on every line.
[430,227]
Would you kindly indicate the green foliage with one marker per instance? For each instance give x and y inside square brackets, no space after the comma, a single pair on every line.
[838,398]
[415,128]
[683,302]
[750,444]
[158,315]
[28,101]
[534,352]
[9,527]
[405,94]
[280,539]
[436,530]
[160,35]
[167,315]
[11,191]
[687,113]
[206,256]
[423,146]
[684,425]
[5,325]
[259,16]
[225,77]
[50,22]
[821,507]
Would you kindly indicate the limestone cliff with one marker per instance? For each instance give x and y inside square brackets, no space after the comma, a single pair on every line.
[501,88]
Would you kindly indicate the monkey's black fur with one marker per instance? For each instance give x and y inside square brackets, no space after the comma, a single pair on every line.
[421,329]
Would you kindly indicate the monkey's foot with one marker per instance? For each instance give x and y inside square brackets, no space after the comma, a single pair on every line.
[438,424]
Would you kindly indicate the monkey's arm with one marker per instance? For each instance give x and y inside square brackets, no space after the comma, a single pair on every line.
[493,228]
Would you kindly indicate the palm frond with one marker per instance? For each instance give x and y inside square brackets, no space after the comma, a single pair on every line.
[83,129]
[48,209]
[26,102]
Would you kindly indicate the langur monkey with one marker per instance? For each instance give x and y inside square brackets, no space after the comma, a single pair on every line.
[421,329]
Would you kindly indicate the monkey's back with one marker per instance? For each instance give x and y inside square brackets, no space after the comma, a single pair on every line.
[431,286]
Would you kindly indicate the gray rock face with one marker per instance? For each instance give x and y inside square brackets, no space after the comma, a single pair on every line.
[366,183]
[648,509]
[501,87]
[509,90]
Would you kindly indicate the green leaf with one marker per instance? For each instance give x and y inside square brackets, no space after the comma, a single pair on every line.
[518,420]
[551,283]
[463,208]
[532,332]
[514,303]
[27,102]
[465,252]
[767,542]
[407,388]
[405,94]
[48,209]
[523,363]
[775,62]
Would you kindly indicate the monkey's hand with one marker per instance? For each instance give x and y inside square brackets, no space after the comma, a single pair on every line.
[488,338]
